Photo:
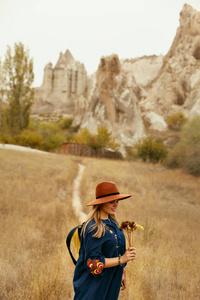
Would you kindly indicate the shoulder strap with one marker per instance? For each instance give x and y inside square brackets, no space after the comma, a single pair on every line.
[68,240]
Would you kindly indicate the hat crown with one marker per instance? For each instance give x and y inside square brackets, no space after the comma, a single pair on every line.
[106,188]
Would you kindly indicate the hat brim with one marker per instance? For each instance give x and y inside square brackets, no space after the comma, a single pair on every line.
[108,199]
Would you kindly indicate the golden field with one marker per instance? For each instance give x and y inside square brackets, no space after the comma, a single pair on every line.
[36,214]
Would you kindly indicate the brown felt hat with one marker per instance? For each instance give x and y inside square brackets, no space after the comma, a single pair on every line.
[107,191]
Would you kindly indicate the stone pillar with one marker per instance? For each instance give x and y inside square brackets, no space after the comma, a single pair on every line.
[47,84]
[74,78]
[58,79]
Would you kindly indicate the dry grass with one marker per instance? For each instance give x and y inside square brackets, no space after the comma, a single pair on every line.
[167,204]
[36,213]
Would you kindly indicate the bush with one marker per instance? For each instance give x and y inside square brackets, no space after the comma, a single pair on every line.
[191,132]
[52,136]
[131,153]
[82,136]
[29,138]
[176,121]
[151,149]
[103,138]
[65,123]
[6,139]
[186,154]
[175,157]
[192,164]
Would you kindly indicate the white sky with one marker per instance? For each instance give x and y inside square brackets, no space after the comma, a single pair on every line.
[90,29]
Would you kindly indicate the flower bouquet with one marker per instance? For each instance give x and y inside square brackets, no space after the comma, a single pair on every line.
[128,228]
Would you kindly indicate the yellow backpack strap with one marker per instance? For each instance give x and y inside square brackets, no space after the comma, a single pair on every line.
[75,234]
[76,240]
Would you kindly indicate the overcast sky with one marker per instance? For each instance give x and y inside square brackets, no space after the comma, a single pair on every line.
[90,29]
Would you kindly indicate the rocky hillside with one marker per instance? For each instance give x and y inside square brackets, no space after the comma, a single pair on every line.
[128,96]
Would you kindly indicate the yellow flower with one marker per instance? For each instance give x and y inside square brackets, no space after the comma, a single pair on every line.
[139,227]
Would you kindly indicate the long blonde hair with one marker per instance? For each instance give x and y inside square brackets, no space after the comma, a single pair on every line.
[95,214]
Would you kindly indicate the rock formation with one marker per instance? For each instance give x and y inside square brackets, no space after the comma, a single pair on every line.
[177,87]
[113,102]
[130,95]
[61,85]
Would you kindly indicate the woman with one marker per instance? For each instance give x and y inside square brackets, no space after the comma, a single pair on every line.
[100,267]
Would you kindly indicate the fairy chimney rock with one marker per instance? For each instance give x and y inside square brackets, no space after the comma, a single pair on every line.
[174,85]
[68,78]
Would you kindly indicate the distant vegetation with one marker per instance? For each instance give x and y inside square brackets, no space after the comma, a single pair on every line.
[16,127]
[16,80]
[49,136]
[151,149]
[176,121]
[102,139]
[186,153]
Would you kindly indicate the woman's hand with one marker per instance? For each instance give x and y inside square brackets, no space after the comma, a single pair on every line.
[128,255]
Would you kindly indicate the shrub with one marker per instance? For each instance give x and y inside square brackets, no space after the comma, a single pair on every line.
[29,138]
[175,157]
[191,132]
[192,164]
[103,138]
[131,153]
[82,136]
[6,139]
[186,154]
[65,123]
[176,121]
[151,149]
[52,136]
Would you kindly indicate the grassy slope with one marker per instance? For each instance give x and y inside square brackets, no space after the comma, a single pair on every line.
[36,213]
[167,204]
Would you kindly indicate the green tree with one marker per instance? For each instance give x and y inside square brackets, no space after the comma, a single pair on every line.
[18,77]
[103,139]
[2,91]
[151,149]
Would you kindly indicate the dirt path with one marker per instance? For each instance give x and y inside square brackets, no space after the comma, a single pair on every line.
[76,201]
[20,148]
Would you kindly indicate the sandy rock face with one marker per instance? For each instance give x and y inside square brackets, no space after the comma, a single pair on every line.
[179,75]
[61,85]
[113,102]
[144,69]
[155,121]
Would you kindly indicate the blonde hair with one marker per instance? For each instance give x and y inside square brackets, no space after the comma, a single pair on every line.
[95,214]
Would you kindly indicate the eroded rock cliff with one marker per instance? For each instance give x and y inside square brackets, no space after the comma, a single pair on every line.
[131,95]
[113,102]
[177,87]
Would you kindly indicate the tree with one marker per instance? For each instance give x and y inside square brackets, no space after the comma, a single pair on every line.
[151,149]
[18,77]
[103,139]
[2,91]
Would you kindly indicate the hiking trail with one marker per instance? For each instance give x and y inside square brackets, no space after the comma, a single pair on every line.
[76,200]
